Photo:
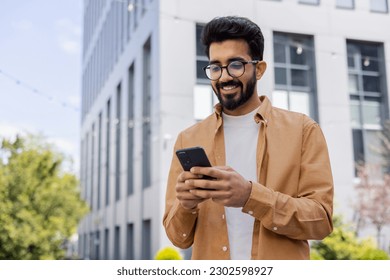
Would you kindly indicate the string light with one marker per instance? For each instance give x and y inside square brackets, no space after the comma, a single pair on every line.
[35,91]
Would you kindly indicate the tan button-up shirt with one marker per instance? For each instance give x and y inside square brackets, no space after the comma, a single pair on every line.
[292,200]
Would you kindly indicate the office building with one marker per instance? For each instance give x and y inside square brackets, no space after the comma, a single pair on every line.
[143,83]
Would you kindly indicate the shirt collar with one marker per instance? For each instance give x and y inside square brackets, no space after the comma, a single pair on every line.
[263,113]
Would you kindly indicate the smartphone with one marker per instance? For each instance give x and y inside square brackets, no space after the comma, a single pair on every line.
[194,156]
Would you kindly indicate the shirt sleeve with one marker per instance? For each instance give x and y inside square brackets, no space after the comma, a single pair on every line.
[308,215]
[179,223]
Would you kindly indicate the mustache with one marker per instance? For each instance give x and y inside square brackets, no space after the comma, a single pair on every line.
[230,83]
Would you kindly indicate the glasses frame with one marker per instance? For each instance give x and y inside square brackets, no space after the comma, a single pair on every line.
[244,63]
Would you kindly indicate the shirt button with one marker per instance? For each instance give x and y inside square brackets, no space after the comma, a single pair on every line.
[275,228]
[250,212]
[184,235]
[193,212]
[224,248]
[223,216]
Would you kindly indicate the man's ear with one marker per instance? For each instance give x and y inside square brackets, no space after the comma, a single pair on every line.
[261,66]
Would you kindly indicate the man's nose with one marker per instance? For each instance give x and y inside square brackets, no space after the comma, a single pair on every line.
[225,75]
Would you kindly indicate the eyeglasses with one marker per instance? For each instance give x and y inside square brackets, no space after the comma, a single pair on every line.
[235,69]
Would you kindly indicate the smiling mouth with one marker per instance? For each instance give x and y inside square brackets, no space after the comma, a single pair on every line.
[231,87]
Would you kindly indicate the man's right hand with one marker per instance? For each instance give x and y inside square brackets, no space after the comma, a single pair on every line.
[183,187]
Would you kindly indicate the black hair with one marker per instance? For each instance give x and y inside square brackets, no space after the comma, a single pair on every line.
[232,27]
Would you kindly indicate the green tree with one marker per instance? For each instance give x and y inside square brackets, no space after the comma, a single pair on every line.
[40,204]
[342,244]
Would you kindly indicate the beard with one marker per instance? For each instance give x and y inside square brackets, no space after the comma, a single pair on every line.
[229,101]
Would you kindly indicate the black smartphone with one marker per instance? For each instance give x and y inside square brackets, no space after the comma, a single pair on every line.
[194,156]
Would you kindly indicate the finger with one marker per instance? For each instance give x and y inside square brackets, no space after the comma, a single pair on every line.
[206,184]
[202,193]
[213,172]
[184,186]
[188,196]
[185,175]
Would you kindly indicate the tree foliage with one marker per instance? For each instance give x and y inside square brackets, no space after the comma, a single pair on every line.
[372,206]
[342,244]
[373,199]
[40,205]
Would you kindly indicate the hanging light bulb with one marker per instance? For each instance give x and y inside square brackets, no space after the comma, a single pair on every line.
[299,50]
[366,61]
[130,8]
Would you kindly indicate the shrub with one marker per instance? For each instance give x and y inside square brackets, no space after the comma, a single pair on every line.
[168,253]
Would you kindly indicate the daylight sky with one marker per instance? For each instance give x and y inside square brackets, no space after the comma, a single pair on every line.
[40,70]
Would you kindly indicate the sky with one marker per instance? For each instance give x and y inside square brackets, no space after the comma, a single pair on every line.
[40,71]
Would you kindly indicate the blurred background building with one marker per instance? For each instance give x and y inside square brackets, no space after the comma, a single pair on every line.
[143,83]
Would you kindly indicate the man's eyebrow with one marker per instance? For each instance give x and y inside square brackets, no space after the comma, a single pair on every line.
[238,58]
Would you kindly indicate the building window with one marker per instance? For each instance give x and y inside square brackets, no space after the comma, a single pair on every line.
[135,13]
[85,246]
[91,248]
[83,175]
[118,144]
[93,137]
[106,244]
[128,20]
[201,58]
[130,242]
[345,4]
[130,132]
[117,242]
[146,121]
[378,6]
[311,2]
[87,169]
[99,161]
[203,95]
[146,240]
[143,5]
[367,91]
[108,144]
[203,101]
[295,79]
[97,245]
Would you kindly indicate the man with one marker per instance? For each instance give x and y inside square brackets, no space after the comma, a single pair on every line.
[273,187]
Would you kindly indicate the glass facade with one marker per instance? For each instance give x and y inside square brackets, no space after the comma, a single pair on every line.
[380,6]
[130,132]
[294,70]
[366,73]
[311,2]
[203,96]
[345,4]
[146,122]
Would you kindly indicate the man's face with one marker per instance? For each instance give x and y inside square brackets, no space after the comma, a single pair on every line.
[233,92]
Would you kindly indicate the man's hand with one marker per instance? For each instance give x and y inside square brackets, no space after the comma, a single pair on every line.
[183,187]
[229,188]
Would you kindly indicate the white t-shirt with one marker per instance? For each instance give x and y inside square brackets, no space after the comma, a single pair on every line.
[241,133]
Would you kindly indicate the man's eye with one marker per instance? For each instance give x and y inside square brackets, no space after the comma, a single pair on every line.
[215,68]
[235,65]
